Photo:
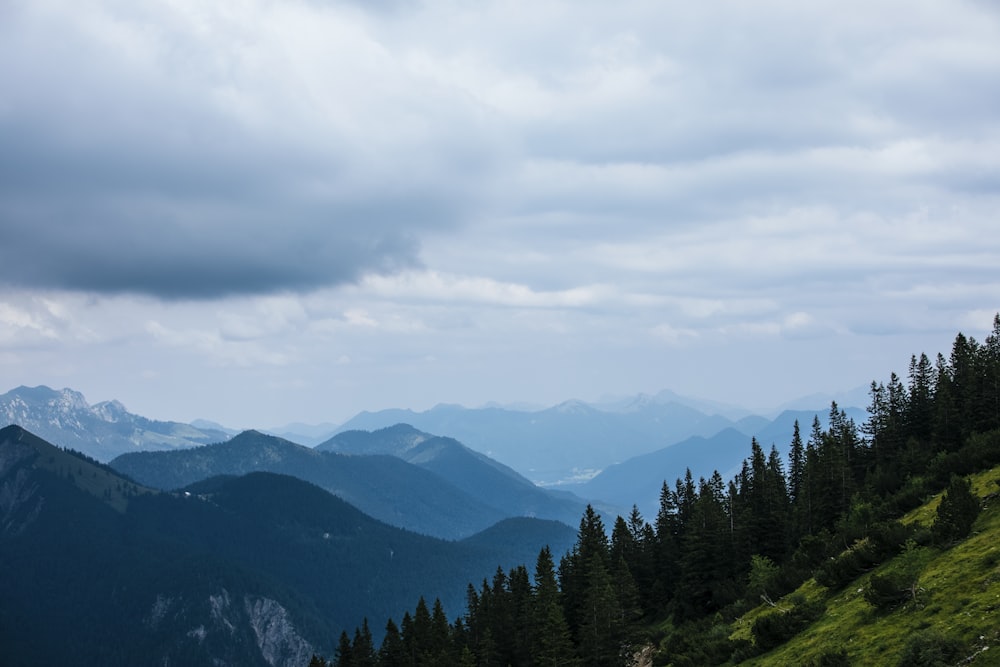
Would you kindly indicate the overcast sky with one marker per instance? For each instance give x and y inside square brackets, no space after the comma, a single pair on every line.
[260,212]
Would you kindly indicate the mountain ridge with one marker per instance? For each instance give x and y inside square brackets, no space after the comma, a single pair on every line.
[102,430]
[382,486]
[261,569]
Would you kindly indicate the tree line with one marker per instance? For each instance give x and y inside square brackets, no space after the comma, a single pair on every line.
[717,548]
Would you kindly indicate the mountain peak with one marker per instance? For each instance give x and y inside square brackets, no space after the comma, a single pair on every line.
[102,431]
[573,407]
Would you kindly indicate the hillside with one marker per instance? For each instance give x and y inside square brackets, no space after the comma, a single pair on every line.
[473,473]
[261,569]
[956,614]
[382,486]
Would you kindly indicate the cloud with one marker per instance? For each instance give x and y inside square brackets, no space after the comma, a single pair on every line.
[448,198]
[190,152]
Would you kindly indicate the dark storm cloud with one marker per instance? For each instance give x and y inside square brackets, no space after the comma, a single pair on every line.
[141,156]
[130,225]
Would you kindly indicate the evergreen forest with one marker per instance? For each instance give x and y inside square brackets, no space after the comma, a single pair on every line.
[665,590]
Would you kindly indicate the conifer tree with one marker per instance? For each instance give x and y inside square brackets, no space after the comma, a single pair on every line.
[574,568]
[796,465]
[957,512]
[439,646]
[919,416]
[706,562]
[551,645]
[393,650]
[598,614]
[362,648]
[519,594]
[666,550]
[344,656]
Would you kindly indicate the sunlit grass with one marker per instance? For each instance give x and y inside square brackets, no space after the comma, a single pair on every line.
[959,598]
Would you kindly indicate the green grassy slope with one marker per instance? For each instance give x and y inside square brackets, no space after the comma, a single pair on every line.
[958,602]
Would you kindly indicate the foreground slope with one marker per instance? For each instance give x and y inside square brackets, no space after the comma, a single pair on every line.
[956,609]
[262,569]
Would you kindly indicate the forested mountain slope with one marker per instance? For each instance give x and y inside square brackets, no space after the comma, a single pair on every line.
[253,570]
[382,486]
[476,474]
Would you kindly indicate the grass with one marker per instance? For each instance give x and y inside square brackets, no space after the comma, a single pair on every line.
[959,599]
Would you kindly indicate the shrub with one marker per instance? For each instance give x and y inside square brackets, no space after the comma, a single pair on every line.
[831,659]
[930,649]
[885,591]
[776,628]
[899,582]
[837,572]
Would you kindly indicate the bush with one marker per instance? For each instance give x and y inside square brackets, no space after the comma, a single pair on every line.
[838,572]
[831,659]
[930,649]
[886,591]
[899,582]
[776,628]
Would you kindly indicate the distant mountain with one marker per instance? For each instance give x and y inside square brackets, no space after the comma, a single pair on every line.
[102,431]
[640,479]
[664,397]
[476,474]
[262,569]
[560,442]
[385,487]
[859,397]
[309,435]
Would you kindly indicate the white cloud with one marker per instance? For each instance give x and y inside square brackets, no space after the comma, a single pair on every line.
[436,199]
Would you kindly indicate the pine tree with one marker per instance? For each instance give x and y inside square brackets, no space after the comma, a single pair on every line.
[519,587]
[796,465]
[598,614]
[707,564]
[393,650]
[591,543]
[666,549]
[919,416]
[362,648]
[551,643]
[957,512]
[344,655]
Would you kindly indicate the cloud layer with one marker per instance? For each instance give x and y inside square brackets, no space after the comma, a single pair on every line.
[565,189]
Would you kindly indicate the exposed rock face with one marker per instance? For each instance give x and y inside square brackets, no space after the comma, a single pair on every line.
[279,642]
[103,430]
[260,622]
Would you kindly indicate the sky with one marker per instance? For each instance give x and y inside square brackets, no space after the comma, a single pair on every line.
[262,212]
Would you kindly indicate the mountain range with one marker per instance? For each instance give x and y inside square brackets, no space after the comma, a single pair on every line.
[103,430]
[444,490]
[616,452]
[260,569]
[639,480]
[572,441]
